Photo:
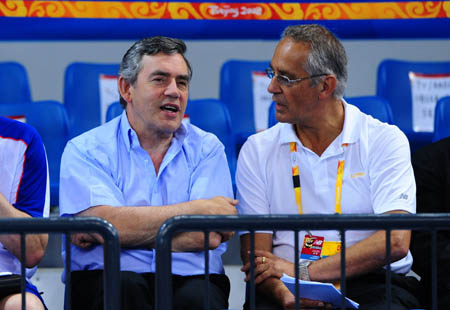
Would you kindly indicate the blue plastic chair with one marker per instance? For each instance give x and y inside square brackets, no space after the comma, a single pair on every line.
[375,106]
[115,109]
[394,85]
[49,118]
[442,119]
[272,119]
[14,85]
[82,94]
[236,91]
[212,115]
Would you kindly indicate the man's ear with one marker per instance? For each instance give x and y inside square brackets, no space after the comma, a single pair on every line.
[124,89]
[327,86]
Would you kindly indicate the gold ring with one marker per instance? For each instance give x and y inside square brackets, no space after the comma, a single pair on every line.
[263,259]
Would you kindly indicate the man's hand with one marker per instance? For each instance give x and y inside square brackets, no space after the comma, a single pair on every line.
[86,240]
[268,265]
[220,205]
[287,301]
[194,241]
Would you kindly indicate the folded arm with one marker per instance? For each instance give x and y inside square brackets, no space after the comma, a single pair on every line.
[138,226]
[35,243]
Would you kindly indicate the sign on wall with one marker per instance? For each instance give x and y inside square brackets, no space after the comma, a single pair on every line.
[426,90]
[109,93]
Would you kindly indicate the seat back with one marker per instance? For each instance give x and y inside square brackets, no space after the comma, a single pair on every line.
[84,96]
[272,118]
[14,85]
[212,115]
[442,119]
[49,118]
[237,81]
[115,109]
[394,84]
[375,106]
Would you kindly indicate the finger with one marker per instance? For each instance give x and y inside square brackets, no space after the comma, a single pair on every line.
[263,276]
[246,267]
[226,235]
[267,254]
[311,303]
[258,270]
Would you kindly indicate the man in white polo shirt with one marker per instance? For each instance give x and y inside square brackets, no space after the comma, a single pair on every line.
[324,157]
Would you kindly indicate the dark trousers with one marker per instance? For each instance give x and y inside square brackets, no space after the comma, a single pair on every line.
[368,290]
[138,291]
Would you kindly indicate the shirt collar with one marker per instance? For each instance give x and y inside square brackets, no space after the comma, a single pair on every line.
[131,139]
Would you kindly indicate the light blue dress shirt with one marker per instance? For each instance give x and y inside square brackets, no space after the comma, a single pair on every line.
[107,166]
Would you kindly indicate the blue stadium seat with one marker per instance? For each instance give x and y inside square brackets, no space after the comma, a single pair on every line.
[82,94]
[393,84]
[49,118]
[212,115]
[375,106]
[14,85]
[272,118]
[236,91]
[442,119]
[115,109]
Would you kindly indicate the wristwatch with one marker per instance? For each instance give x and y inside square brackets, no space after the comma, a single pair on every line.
[303,270]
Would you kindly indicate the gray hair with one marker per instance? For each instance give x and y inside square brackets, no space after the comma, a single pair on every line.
[131,61]
[327,54]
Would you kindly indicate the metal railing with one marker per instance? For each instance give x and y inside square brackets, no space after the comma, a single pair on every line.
[66,226]
[295,223]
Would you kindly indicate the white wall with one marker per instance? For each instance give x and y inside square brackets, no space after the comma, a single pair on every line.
[47,60]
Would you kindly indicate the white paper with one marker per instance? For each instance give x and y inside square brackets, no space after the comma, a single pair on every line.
[108,93]
[261,100]
[426,90]
[325,292]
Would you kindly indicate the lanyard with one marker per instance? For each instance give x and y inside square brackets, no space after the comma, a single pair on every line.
[297,185]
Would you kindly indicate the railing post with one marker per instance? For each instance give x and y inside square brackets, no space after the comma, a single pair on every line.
[74,224]
[163,289]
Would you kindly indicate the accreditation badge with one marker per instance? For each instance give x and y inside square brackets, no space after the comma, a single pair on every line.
[330,248]
[312,247]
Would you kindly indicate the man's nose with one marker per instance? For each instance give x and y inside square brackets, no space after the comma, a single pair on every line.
[273,86]
[172,89]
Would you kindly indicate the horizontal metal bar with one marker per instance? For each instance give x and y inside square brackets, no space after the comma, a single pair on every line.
[252,223]
[423,221]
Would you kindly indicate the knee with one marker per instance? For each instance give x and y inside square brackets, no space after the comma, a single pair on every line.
[14,302]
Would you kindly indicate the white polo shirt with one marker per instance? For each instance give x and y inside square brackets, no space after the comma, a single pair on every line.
[378,177]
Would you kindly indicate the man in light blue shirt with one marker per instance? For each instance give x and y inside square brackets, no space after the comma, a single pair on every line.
[137,171]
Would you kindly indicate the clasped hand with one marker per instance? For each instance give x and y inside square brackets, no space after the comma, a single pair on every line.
[268,265]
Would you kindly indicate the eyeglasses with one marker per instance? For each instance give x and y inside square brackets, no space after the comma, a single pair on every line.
[284,80]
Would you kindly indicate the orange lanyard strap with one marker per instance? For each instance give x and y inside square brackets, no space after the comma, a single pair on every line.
[296,177]
[297,184]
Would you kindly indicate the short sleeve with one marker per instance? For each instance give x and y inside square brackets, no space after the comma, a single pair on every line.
[32,194]
[251,188]
[392,180]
